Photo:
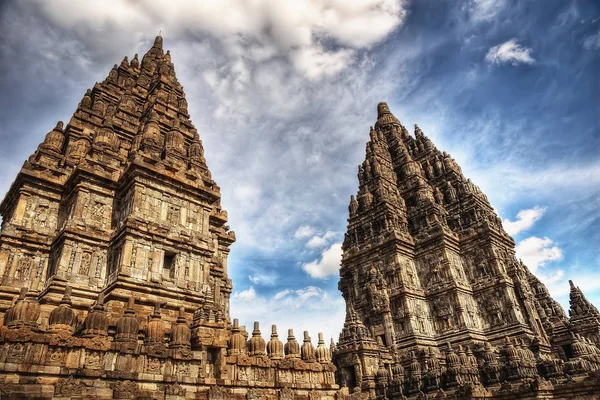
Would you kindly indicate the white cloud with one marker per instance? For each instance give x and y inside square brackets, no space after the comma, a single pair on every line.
[320,241]
[536,252]
[247,295]
[484,10]
[328,265]
[282,294]
[291,29]
[509,52]
[264,279]
[592,42]
[316,62]
[304,231]
[309,308]
[558,276]
[525,220]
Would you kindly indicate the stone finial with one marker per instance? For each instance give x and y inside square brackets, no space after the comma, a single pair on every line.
[382,374]
[128,325]
[151,136]
[158,42]
[332,347]
[291,348]
[256,345]
[322,353]
[307,351]
[125,63]
[415,366]
[155,329]
[180,332]
[275,346]
[237,341]
[353,207]
[55,138]
[135,62]
[385,119]
[107,138]
[580,306]
[96,322]
[86,101]
[63,317]
[509,351]
[382,109]
[452,360]
[174,141]
[25,312]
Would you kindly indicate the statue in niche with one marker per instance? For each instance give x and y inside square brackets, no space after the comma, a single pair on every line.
[97,211]
[357,370]
[420,316]
[436,275]
[443,314]
[173,215]
[400,319]
[23,270]
[99,265]
[377,291]
[450,193]
[482,268]
[86,260]
[494,308]
[471,320]
[437,166]
[410,273]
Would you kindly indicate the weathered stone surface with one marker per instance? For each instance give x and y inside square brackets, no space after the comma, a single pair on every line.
[438,306]
[114,229]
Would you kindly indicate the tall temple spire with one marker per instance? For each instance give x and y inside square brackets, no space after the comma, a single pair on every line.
[426,261]
[119,159]
[580,305]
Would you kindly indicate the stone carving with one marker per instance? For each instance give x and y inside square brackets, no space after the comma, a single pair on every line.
[443,279]
[68,386]
[120,206]
[125,390]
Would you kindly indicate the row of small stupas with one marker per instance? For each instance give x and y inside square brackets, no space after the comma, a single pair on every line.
[438,305]
[118,205]
[131,350]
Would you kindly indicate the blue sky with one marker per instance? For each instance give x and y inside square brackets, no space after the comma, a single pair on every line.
[283,93]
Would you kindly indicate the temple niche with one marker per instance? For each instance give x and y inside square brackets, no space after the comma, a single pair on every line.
[437,304]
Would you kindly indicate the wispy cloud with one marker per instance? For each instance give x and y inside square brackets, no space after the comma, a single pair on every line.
[536,252]
[327,265]
[304,231]
[293,30]
[509,52]
[320,240]
[592,42]
[525,220]
[484,10]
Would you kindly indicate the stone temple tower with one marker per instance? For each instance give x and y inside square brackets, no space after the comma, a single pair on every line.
[120,202]
[113,262]
[427,267]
